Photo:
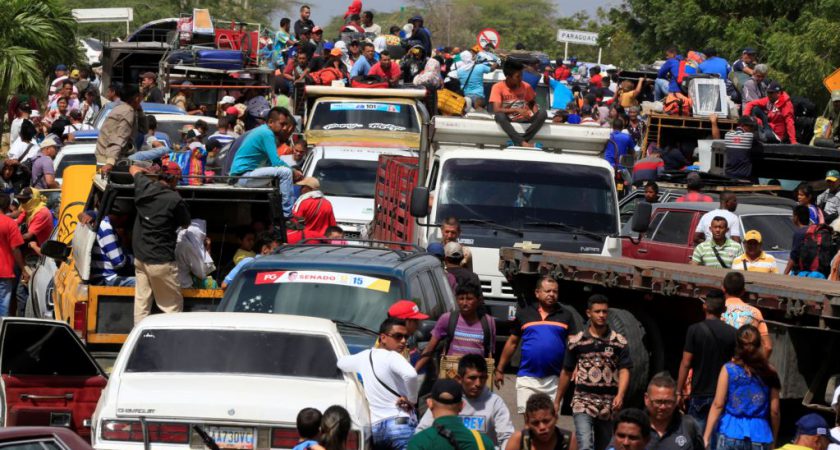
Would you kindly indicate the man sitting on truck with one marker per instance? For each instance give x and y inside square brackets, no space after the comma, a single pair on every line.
[108,258]
[259,147]
[513,101]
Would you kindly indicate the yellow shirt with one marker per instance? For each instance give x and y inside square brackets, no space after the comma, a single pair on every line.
[242,254]
[764,263]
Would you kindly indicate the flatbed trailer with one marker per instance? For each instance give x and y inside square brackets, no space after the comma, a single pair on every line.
[655,302]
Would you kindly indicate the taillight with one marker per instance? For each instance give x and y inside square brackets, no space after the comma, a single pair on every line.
[353,441]
[80,312]
[284,437]
[171,433]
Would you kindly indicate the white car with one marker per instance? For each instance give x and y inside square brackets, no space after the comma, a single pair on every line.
[72,155]
[238,379]
[348,180]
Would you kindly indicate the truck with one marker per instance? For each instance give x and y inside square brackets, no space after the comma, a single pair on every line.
[560,197]
[652,303]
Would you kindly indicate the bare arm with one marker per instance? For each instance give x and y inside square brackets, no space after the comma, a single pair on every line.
[513,442]
[507,352]
[775,413]
[767,342]
[427,353]
[639,87]
[623,382]
[717,405]
[49,180]
[565,379]
[685,365]
[18,256]
[789,266]
[715,130]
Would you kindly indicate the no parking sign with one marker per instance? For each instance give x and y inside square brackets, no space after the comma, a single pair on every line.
[489,36]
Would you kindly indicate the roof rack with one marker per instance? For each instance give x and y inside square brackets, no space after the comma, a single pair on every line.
[372,244]
[322,91]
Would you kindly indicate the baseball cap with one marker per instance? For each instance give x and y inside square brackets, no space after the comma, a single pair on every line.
[453,250]
[831,175]
[749,51]
[752,235]
[811,425]
[171,168]
[328,45]
[75,73]
[436,248]
[774,87]
[310,182]
[835,95]
[447,391]
[61,67]
[227,99]
[50,142]
[406,309]
[335,52]
[24,193]
[232,110]
[317,29]
[148,75]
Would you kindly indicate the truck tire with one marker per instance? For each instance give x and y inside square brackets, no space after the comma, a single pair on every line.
[577,319]
[624,323]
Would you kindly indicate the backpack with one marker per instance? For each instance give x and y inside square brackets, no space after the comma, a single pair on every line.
[817,250]
[326,76]
[485,328]
[25,167]
[677,104]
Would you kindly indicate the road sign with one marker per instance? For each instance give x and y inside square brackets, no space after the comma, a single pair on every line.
[832,82]
[489,36]
[577,37]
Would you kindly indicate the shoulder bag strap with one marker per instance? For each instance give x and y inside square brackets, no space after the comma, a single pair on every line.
[450,330]
[478,440]
[485,328]
[717,255]
[26,152]
[447,434]
[391,390]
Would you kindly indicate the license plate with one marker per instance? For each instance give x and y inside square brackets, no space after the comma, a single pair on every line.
[232,437]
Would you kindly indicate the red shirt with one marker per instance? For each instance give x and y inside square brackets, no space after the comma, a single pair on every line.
[694,197]
[562,73]
[10,239]
[392,73]
[318,216]
[595,80]
[41,225]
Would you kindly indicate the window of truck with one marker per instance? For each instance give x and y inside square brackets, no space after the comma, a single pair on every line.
[516,193]
[347,178]
[776,230]
[365,115]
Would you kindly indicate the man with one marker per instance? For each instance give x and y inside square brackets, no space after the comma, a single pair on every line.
[369,26]
[811,434]
[108,257]
[318,42]
[776,114]
[541,430]
[259,147]
[714,64]
[24,113]
[728,205]
[601,361]
[483,410]
[543,329]
[671,429]
[631,430]
[390,385]
[829,200]
[708,346]
[720,250]
[296,73]
[738,313]
[453,256]
[666,79]
[60,76]
[265,244]
[116,137]
[352,25]
[739,144]
[387,69]
[364,64]
[755,88]
[148,88]
[404,310]
[694,188]
[746,64]
[10,255]
[224,134]
[754,259]
[421,34]
[313,210]
[801,221]
[160,212]
[450,231]
[652,192]
[448,430]
[192,256]
[304,21]
[513,101]
[834,116]
[649,168]
[43,170]
[619,144]
[588,116]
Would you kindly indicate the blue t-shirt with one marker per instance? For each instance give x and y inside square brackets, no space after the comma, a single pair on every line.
[671,66]
[474,87]
[573,119]
[543,340]
[625,145]
[717,65]
[747,410]
[258,147]
[562,94]
[361,67]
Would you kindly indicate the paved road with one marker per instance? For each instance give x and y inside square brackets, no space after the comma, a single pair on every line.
[508,394]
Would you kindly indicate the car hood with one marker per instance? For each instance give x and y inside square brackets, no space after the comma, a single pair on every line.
[352,209]
[226,397]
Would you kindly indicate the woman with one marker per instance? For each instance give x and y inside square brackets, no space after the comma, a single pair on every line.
[430,78]
[805,196]
[745,411]
[335,427]
[89,107]
[635,126]
[59,112]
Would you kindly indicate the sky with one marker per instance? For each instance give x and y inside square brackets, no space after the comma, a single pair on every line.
[324,10]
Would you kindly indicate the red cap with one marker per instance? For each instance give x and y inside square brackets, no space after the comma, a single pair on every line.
[317,29]
[232,110]
[171,168]
[406,309]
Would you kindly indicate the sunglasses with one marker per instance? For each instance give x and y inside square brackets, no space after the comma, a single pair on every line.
[398,336]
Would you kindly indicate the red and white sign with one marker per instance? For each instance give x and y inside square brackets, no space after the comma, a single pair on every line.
[489,36]
[322,277]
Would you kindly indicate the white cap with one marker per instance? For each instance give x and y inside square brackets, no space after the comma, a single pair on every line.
[35,113]
[227,99]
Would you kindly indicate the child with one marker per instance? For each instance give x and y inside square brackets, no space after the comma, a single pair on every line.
[541,431]
[246,245]
[308,427]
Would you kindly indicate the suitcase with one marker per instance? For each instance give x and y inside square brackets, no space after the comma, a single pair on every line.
[209,59]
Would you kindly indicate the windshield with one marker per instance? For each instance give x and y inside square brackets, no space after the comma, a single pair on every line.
[346,178]
[776,231]
[348,297]
[74,160]
[514,193]
[377,116]
[249,352]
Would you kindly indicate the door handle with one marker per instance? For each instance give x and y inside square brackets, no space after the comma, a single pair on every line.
[642,250]
[68,397]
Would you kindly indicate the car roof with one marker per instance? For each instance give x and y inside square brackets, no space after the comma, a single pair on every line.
[215,320]
[78,149]
[354,257]
[167,117]
[743,209]
[162,108]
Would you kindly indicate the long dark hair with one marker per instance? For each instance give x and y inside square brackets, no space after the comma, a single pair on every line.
[335,427]
[750,355]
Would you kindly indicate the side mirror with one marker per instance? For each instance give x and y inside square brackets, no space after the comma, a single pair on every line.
[640,222]
[420,202]
[56,250]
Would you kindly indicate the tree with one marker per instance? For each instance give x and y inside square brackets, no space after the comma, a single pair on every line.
[36,35]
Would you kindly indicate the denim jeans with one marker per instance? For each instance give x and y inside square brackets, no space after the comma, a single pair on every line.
[6,287]
[284,178]
[536,122]
[725,443]
[592,433]
[150,155]
[22,298]
[660,89]
[698,408]
[393,433]
[120,280]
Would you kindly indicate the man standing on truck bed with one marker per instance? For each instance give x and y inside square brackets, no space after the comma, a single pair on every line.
[543,329]
[513,101]
[160,212]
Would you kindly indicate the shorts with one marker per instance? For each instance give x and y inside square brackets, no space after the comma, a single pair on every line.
[528,386]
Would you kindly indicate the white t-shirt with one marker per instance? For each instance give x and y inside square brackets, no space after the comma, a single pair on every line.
[373,28]
[14,131]
[19,147]
[835,433]
[731,220]
[393,369]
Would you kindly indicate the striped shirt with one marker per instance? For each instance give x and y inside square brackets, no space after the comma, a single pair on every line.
[739,139]
[224,139]
[704,253]
[764,263]
[108,256]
